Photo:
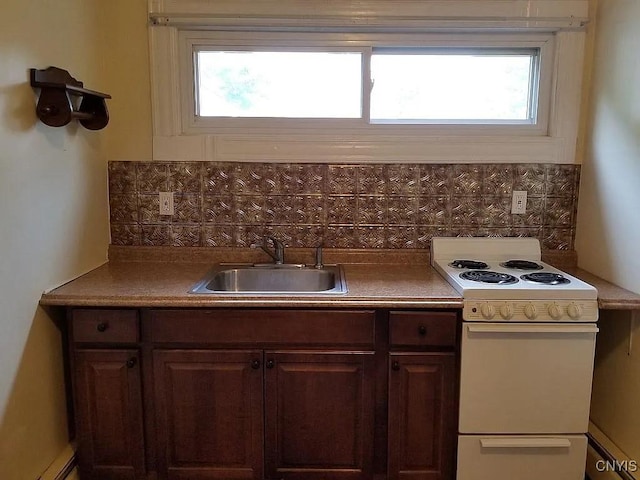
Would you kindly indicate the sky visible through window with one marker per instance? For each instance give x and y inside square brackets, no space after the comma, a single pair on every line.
[280,84]
[406,87]
[450,87]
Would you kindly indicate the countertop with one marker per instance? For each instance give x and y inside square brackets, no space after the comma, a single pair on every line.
[162,277]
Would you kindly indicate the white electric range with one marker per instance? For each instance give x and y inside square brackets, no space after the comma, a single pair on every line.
[505,279]
[527,350]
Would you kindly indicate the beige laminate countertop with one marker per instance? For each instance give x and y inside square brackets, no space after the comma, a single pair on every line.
[153,284]
[157,277]
[610,296]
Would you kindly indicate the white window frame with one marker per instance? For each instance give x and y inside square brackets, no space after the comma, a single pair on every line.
[191,41]
[179,135]
[193,124]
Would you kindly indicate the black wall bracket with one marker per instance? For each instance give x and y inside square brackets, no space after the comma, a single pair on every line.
[56,107]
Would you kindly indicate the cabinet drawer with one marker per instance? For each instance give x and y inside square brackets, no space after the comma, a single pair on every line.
[264,327]
[105,326]
[425,329]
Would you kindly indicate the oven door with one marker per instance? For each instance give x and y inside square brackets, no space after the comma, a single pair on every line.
[526,378]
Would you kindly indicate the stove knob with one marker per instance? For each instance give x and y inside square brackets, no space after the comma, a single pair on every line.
[574,310]
[506,311]
[555,311]
[530,311]
[488,311]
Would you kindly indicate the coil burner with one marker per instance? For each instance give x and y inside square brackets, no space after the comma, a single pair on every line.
[488,276]
[470,264]
[546,278]
[522,265]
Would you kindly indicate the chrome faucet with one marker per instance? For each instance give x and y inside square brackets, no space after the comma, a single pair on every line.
[278,249]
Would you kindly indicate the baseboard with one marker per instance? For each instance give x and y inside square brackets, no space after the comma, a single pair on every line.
[605,461]
[63,467]
[593,473]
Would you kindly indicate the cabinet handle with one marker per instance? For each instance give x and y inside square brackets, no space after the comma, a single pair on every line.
[132,362]
[255,364]
[395,365]
[102,326]
[270,364]
[422,330]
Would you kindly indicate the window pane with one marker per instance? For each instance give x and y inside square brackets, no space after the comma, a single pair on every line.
[442,86]
[279,84]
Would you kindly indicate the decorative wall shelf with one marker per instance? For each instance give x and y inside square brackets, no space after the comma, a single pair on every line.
[55,105]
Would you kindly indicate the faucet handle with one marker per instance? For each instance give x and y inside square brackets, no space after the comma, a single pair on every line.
[276,243]
[278,249]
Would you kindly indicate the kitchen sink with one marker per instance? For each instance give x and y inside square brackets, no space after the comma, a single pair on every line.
[270,279]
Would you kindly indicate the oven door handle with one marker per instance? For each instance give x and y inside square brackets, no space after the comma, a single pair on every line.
[506,328]
[525,443]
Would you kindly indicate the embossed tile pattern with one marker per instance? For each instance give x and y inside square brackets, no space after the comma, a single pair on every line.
[341,206]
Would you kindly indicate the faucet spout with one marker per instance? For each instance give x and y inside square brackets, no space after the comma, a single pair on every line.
[278,249]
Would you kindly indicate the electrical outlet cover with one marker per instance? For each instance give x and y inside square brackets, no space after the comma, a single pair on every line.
[519,202]
[166,203]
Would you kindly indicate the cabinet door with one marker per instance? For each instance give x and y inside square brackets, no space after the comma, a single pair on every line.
[109,414]
[209,409]
[319,415]
[422,412]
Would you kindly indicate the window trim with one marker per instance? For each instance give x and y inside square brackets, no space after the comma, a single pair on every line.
[191,41]
[397,145]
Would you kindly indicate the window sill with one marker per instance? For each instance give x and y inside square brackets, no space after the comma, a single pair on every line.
[319,148]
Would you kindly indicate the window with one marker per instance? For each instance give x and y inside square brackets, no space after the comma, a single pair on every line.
[407,85]
[324,81]
[454,86]
[264,85]
[278,84]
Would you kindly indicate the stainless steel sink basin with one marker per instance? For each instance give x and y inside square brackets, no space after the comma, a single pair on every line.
[272,280]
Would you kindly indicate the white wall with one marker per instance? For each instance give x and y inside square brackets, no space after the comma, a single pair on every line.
[608,226]
[608,235]
[53,220]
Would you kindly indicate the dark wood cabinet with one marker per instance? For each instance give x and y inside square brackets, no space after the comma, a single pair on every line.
[422,395]
[209,408]
[317,412]
[263,394]
[319,415]
[109,422]
[301,406]
[421,416]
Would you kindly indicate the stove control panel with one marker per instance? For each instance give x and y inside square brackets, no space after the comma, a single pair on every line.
[530,311]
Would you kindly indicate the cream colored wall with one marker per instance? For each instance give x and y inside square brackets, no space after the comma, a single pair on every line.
[127,73]
[616,383]
[608,229]
[53,219]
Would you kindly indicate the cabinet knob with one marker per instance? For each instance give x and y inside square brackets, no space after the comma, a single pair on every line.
[395,365]
[102,326]
[270,364]
[422,330]
[255,364]
[132,362]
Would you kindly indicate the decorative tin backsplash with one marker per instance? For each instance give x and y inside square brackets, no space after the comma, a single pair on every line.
[339,206]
